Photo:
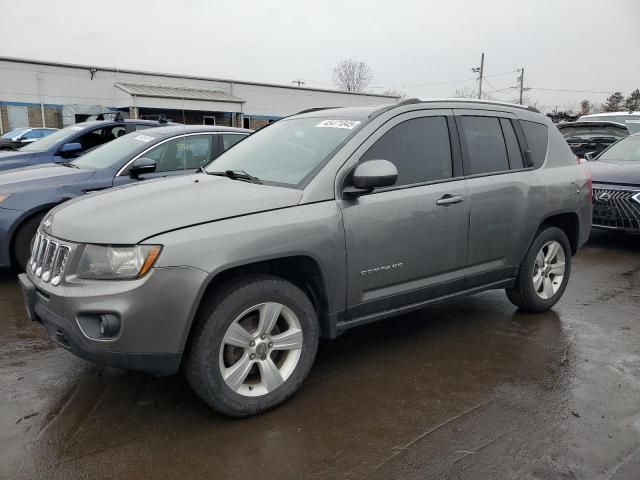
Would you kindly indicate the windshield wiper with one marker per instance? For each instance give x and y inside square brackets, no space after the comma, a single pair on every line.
[237,175]
[67,163]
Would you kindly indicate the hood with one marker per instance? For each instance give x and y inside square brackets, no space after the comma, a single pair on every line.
[620,173]
[130,214]
[40,176]
[10,160]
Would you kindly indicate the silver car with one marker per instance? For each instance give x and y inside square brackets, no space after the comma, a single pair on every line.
[321,222]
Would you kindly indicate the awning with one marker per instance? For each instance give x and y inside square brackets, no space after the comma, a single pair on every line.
[162,96]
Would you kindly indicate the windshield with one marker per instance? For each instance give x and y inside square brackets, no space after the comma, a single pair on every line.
[288,151]
[591,132]
[626,150]
[14,133]
[632,122]
[53,139]
[113,153]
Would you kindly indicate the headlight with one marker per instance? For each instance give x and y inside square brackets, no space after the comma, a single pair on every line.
[4,196]
[100,262]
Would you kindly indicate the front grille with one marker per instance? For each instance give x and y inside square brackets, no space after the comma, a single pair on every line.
[48,258]
[616,209]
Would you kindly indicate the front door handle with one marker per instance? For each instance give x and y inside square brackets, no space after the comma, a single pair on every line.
[450,199]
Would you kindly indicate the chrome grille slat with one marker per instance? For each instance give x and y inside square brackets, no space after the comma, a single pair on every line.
[623,212]
[49,258]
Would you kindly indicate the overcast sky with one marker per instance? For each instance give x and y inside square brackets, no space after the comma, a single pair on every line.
[414,46]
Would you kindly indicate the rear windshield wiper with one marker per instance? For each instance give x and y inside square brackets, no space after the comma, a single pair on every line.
[237,175]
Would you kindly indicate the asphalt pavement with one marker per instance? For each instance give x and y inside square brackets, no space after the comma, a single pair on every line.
[472,389]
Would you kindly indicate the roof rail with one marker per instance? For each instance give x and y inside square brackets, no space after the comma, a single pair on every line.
[411,101]
[309,110]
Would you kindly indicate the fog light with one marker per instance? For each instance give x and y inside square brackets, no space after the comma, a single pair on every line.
[99,326]
[109,325]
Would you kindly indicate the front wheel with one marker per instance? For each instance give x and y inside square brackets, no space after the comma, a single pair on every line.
[544,272]
[254,344]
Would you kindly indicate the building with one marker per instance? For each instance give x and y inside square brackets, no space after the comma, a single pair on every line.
[36,93]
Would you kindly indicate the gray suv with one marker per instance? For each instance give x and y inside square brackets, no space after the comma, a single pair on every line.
[323,221]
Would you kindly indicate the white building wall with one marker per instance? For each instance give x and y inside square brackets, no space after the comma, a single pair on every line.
[72,87]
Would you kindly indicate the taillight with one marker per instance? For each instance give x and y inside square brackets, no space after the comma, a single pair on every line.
[578,160]
[590,184]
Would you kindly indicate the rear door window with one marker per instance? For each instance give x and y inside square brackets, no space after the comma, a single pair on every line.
[537,138]
[419,148]
[484,145]
[182,153]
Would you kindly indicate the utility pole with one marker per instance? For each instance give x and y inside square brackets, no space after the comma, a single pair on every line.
[298,82]
[479,70]
[521,80]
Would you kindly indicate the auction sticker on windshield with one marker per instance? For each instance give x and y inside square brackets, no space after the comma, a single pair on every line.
[143,138]
[348,124]
[77,129]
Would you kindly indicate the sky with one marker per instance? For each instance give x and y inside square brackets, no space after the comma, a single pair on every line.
[422,48]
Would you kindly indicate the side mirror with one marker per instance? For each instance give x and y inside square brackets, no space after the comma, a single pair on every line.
[370,175]
[141,166]
[590,156]
[70,149]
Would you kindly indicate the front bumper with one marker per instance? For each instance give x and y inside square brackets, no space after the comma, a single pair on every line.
[155,315]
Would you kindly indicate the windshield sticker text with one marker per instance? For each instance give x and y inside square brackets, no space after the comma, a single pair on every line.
[348,124]
[77,129]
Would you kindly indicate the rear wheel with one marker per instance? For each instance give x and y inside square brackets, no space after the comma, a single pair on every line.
[22,241]
[544,272]
[255,342]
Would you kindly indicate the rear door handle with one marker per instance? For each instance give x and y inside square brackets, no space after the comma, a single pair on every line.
[449,199]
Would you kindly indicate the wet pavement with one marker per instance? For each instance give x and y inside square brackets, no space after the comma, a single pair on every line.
[470,390]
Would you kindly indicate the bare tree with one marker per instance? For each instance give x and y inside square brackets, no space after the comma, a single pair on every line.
[585,107]
[392,92]
[470,92]
[352,76]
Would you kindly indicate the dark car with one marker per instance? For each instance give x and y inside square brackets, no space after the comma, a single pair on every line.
[20,137]
[71,142]
[592,136]
[27,194]
[616,186]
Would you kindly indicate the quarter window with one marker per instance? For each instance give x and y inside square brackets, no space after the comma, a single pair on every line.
[419,148]
[485,147]
[537,138]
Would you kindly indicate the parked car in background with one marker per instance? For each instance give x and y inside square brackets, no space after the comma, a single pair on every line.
[592,137]
[27,194]
[318,223]
[616,186]
[631,120]
[71,142]
[20,137]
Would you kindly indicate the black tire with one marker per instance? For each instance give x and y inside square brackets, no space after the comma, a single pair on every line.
[523,294]
[21,249]
[215,316]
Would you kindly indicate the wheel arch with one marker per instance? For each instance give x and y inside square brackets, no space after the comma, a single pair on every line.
[40,210]
[569,223]
[302,270]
